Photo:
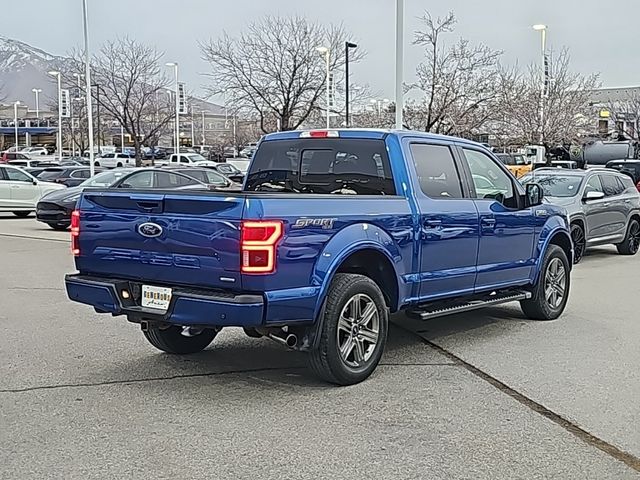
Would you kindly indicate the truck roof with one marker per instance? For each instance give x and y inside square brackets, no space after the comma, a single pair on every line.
[372,133]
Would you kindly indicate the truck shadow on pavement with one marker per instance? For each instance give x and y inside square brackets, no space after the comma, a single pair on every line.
[235,359]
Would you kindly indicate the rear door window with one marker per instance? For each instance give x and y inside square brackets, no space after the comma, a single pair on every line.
[322,166]
[173,180]
[611,186]
[437,172]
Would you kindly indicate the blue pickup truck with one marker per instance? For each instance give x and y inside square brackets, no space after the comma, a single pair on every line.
[333,231]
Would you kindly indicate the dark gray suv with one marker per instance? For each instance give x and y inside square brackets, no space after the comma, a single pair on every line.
[603,206]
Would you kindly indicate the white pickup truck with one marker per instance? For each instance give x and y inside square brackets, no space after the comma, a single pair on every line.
[182,159]
[115,160]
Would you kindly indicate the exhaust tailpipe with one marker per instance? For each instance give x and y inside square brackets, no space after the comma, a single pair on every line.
[289,340]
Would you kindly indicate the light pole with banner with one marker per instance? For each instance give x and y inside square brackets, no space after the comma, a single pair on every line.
[543,77]
[59,136]
[175,71]
[15,122]
[37,92]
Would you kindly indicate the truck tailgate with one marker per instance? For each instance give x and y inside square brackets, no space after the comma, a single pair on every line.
[136,236]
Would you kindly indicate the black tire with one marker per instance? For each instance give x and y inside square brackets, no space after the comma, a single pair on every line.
[539,307]
[325,360]
[22,214]
[579,242]
[171,340]
[631,242]
[119,165]
[60,228]
[96,164]
[252,333]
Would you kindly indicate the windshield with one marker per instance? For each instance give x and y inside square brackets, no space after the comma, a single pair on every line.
[196,157]
[555,185]
[49,174]
[227,169]
[105,179]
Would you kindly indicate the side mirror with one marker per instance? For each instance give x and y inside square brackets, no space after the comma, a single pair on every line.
[534,194]
[593,195]
[34,181]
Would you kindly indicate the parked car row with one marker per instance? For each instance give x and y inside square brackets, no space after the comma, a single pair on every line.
[55,209]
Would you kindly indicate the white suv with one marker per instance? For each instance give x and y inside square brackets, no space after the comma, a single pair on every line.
[115,160]
[31,151]
[20,192]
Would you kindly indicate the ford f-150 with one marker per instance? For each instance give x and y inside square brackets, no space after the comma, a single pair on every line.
[333,231]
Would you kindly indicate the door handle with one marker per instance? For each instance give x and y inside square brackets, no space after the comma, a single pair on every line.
[15,186]
[433,222]
[489,222]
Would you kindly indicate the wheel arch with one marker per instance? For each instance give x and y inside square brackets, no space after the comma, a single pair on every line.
[559,237]
[350,251]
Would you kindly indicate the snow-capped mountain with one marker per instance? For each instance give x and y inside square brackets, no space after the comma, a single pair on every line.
[22,68]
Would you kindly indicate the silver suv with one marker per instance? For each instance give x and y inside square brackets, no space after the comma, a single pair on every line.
[603,206]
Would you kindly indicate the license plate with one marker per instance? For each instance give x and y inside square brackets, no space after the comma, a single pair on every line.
[156,297]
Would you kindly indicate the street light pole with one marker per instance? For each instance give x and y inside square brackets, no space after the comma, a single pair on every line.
[327,55]
[175,70]
[347,46]
[399,62]
[15,121]
[59,136]
[37,92]
[87,78]
[543,31]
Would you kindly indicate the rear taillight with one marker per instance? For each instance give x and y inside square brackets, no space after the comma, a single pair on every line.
[638,186]
[75,233]
[258,241]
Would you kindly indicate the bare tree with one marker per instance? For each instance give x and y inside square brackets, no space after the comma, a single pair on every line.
[133,90]
[625,114]
[457,83]
[567,112]
[273,70]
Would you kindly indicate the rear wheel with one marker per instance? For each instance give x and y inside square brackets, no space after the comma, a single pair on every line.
[175,339]
[551,292]
[631,242]
[22,214]
[353,331]
[579,242]
[60,228]
[97,164]
[119,165]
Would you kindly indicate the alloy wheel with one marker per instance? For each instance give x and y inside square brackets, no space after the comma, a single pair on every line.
[358,330]
[555,282]
[634,237]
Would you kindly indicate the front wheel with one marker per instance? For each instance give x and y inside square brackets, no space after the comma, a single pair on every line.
[21,214]
[551,292]
[631,242]
[353,332]
[175,340]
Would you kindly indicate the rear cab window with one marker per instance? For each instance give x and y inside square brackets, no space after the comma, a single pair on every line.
[339,166]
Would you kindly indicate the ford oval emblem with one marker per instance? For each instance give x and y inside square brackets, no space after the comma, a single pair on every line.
[150,230]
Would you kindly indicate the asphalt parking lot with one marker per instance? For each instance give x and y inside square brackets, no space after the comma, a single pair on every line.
[480,395]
